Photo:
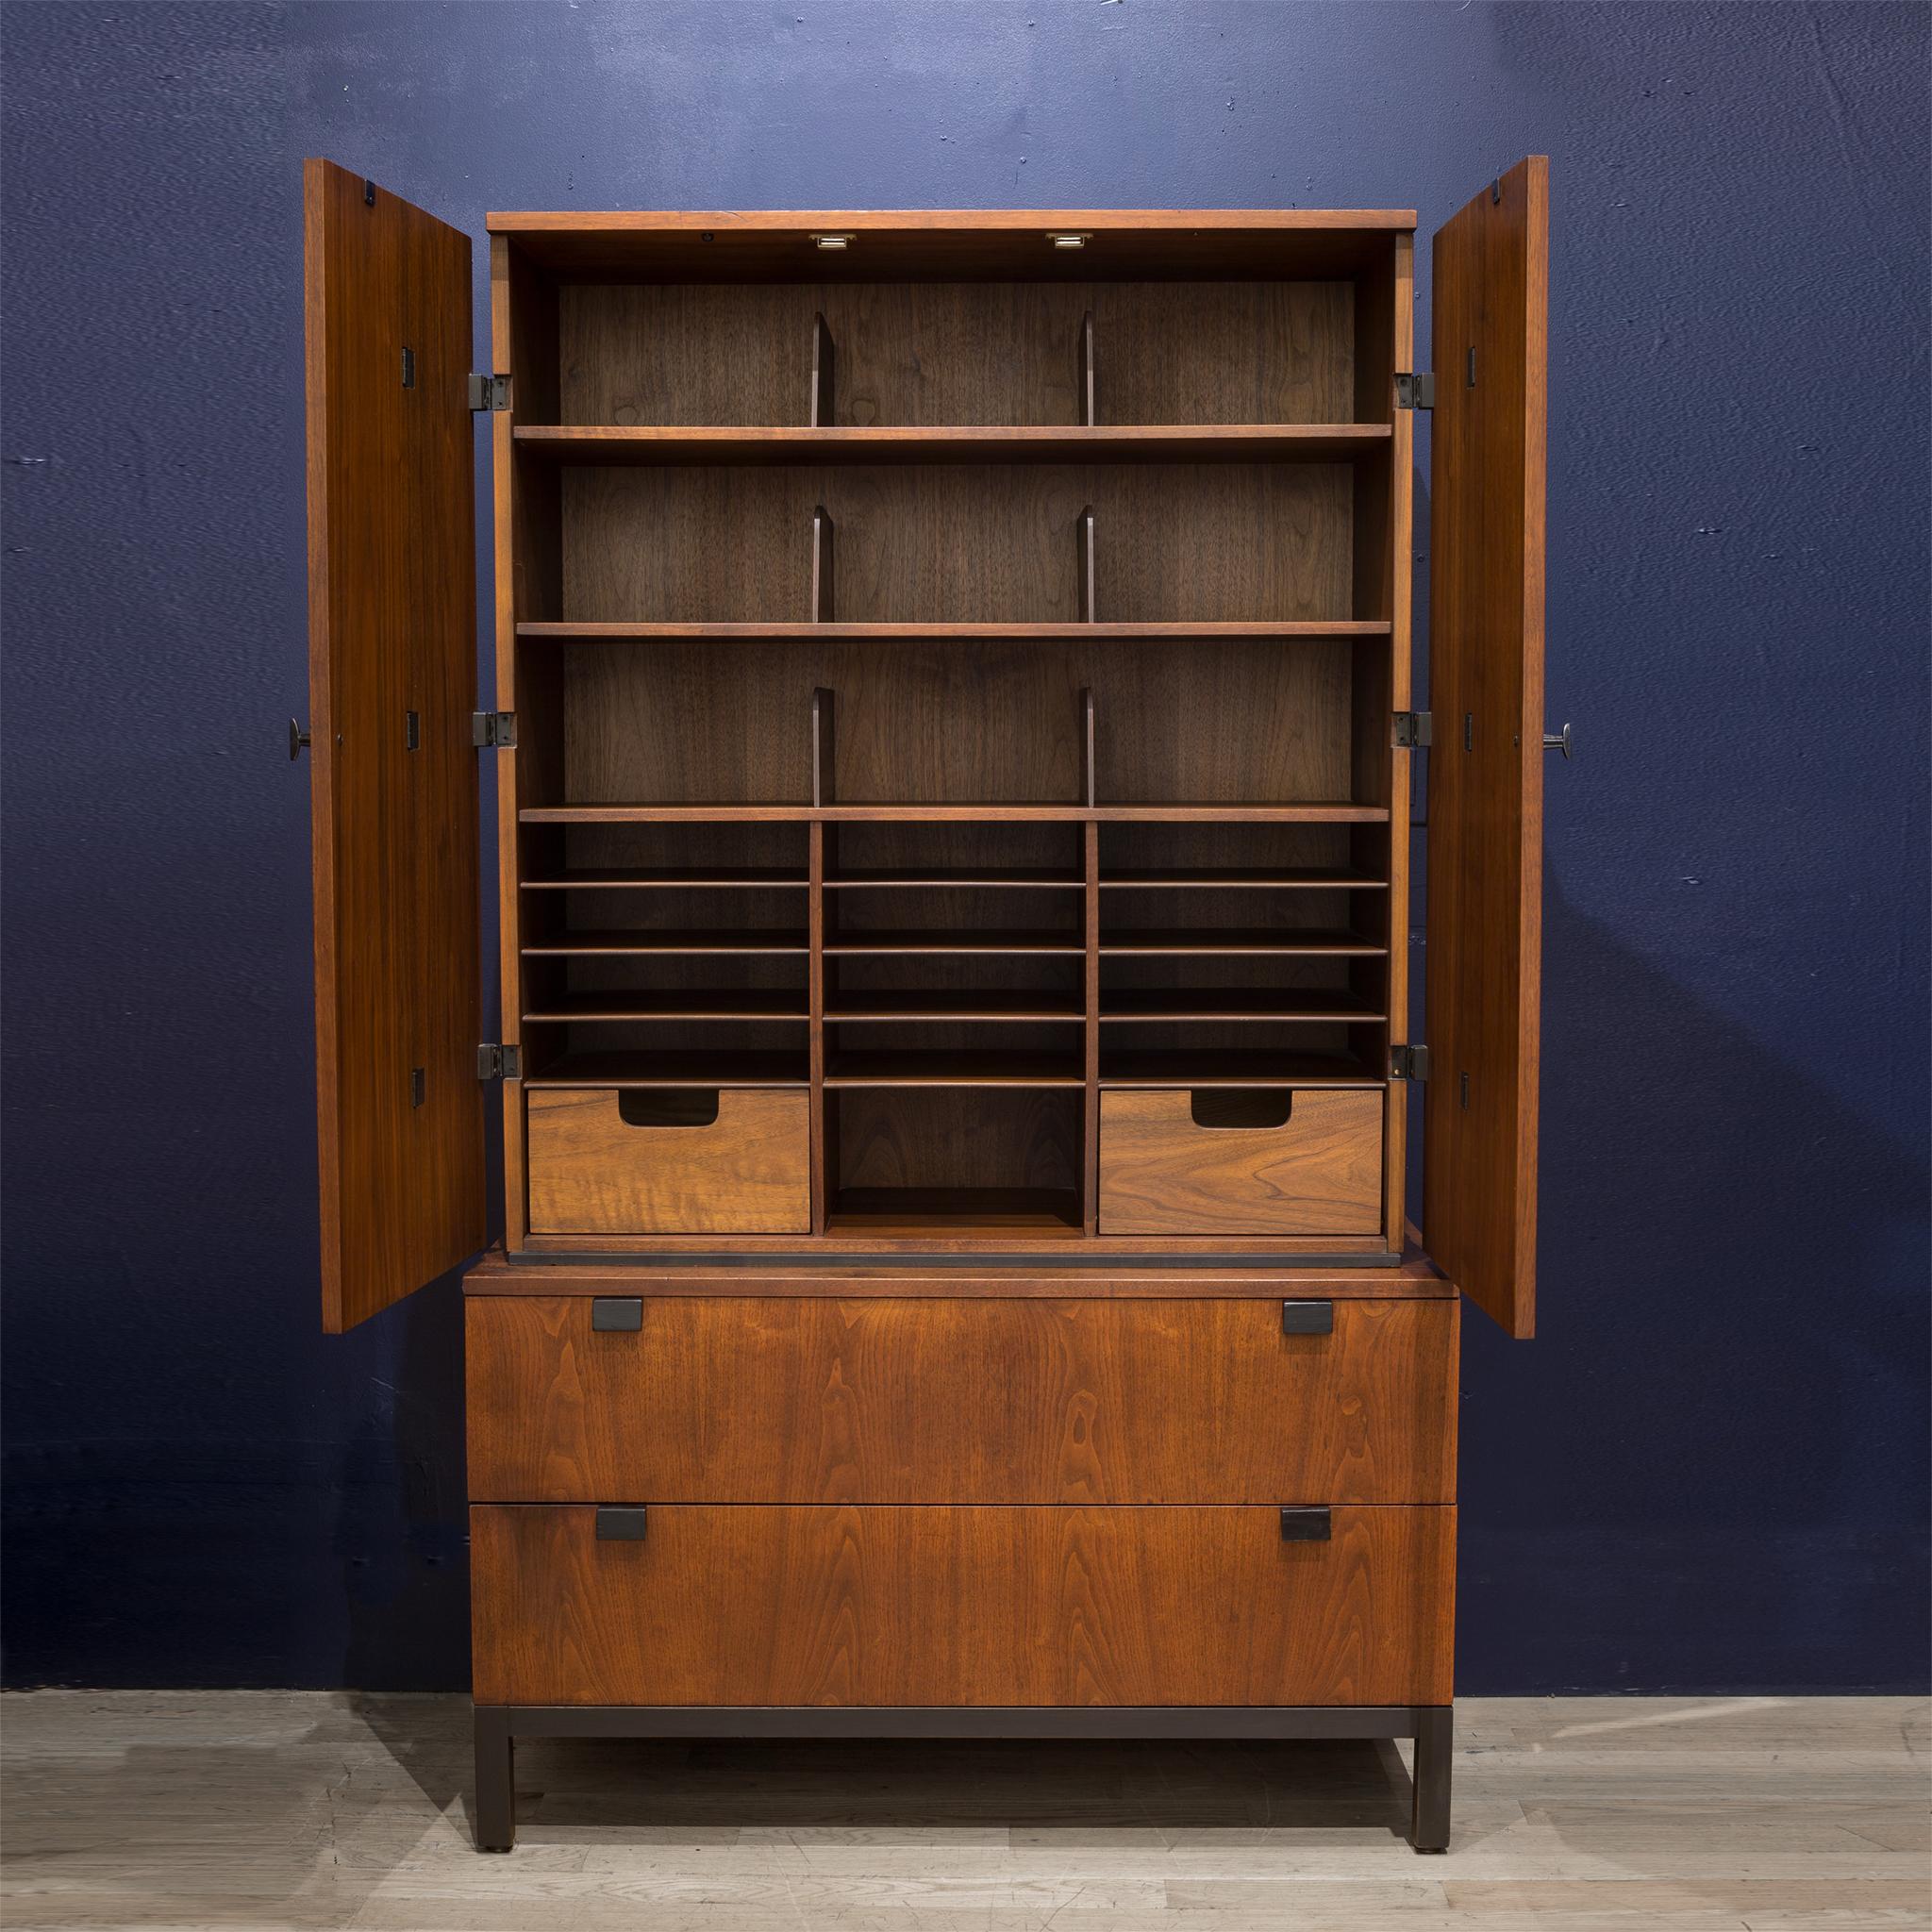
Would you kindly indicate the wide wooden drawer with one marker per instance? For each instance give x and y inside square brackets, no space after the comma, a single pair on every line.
[843,1606]
[1233,1160]
[796,1399]
[615,1160]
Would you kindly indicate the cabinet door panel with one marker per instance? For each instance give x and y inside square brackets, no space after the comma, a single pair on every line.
[961,1606]
[806,1400]
[1485,804]
[392,678]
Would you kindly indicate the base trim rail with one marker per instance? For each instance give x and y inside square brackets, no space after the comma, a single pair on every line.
[499,1726]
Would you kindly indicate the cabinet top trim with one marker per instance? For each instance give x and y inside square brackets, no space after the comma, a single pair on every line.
[938,221]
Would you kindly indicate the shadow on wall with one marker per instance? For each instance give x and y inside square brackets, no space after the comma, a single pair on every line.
[1742,1470]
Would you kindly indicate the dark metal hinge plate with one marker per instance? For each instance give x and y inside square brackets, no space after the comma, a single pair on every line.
[488,393]
[494,1062]
[1414,729]
[492,729]
[1409,1063]
[1415,390]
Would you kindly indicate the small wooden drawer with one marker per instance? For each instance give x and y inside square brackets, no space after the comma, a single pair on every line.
[1305,1160]
[858,1607]
[673,1160]
[802,1399]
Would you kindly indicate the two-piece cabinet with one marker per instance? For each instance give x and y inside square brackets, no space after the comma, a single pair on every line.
[955,762]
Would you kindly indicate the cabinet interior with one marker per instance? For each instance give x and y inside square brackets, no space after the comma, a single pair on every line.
[956,772]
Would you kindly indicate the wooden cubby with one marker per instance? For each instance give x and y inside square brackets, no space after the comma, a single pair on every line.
[954,687]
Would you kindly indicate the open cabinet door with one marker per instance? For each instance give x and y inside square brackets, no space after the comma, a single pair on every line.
[391,680]
[1485,693]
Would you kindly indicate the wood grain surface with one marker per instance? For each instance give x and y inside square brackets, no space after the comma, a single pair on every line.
[591,1171]
[848,1606]
[789,1400]
[392,679]
[1485,773]
[1319,1172]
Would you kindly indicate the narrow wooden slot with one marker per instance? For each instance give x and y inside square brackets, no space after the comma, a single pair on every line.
[654,1008]
[1243,1004]
[822,412]
[995,939]
[1034,879]
[1086,373]
[617,878]
[911,1067]
[822,589]
[1288,939]
[888,1008]
[1310,878]
[1222,1067]
[1087,750]
[672,1067]
[1083,563]
[644,939]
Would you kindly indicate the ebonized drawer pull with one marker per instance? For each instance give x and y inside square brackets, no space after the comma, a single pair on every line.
[1299,1524]
[1307,1318]
[615,1314]
[623,1523]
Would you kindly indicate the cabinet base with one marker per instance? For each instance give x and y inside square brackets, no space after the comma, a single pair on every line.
[499,1726]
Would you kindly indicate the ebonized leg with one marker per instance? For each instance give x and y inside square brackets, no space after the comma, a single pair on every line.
[1435,1750]
[496,1790]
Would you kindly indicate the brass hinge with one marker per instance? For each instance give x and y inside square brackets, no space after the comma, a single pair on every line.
[1415,391]
[1414,729]
[492,729]
[1409,1063]
[488,393]
[494,1062]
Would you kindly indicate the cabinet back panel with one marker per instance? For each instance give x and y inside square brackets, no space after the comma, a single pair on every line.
[933,723]
[940,354]
[953,1137]
[988,543]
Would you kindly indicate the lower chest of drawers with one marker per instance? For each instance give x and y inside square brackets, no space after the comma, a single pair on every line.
[810,1500]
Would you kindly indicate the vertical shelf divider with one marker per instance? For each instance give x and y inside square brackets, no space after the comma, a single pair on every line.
[1083,563]
[815,1008]
[1090,1139]
[822,602]
[1088,418]
[821,415]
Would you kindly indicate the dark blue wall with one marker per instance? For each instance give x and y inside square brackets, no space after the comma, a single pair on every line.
[1710,1473]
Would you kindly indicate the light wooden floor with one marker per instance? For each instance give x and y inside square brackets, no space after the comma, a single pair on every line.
[277,1809]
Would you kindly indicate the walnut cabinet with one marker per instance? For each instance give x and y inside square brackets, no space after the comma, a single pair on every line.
[956,763]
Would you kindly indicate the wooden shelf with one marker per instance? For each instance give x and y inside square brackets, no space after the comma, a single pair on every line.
[919,1069]
[1261,630]
[1326,812]
[1041,877]
[1177,443]
[1237,1003]
[655,1006]
[1128,943]
[683,1069]
[978,939]
[886,1008]
[1248,879]
[1190,1068]
[652,939]
[935,1214]
[707,877]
